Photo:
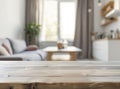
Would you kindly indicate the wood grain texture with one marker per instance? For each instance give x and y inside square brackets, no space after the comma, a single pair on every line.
[60,75]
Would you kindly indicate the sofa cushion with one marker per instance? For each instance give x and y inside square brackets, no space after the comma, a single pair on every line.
[18,45]
[28,56]
[37,55]
[3,51]
[6,42]
[42,54]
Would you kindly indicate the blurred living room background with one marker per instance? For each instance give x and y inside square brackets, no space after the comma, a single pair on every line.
[85,29]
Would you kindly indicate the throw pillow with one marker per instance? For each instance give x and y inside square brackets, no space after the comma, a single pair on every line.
[31,48]
[18,45]
[5,46]
[3,51]
[7,43]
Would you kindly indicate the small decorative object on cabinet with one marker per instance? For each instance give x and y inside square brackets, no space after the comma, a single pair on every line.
[94,34]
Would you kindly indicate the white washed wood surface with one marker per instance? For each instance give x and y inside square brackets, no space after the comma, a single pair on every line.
[60,75]
[59,72]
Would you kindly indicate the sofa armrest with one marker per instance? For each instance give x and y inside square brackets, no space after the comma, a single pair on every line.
[3,58]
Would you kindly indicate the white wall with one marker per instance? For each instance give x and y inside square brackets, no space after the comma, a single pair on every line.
[97,17]
[12,18]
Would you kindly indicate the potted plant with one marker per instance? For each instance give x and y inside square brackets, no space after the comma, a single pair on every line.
[32,32]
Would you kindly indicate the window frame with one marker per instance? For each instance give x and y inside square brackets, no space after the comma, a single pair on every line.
[59,20]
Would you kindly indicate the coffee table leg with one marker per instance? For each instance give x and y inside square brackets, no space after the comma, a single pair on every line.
[49,56]
[73,56]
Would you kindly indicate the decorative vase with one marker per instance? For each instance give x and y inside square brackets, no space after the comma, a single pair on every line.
[60,45]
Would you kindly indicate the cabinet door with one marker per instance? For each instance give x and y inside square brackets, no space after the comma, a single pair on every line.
[100,50]
[114,50]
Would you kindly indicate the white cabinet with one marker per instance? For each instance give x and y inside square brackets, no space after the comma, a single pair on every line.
[106,50]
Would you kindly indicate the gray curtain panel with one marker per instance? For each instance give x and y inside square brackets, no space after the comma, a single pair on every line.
[32,11]
[84,27]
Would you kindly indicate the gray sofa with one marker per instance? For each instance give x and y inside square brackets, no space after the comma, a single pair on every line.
[18,51]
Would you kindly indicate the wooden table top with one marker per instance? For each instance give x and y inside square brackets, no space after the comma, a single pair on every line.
[59,72]
[68,49]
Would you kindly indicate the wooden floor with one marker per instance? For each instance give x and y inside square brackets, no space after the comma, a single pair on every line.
[60,75]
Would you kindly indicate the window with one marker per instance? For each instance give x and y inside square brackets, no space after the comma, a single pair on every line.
[58,20]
